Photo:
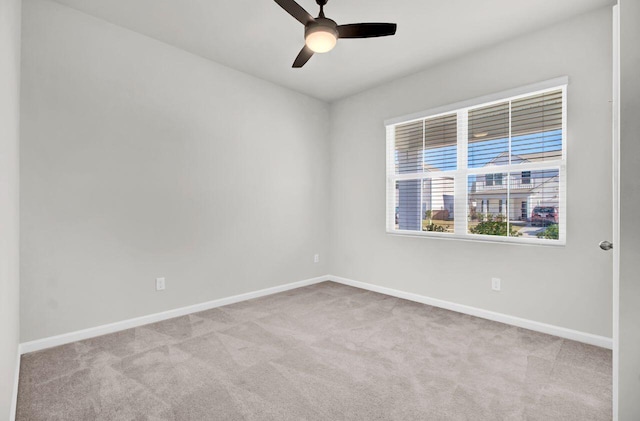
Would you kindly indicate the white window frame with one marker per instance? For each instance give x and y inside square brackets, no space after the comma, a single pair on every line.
[462,171]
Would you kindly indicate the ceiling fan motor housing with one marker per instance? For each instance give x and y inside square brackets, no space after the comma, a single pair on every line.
[321,35]
[321,25]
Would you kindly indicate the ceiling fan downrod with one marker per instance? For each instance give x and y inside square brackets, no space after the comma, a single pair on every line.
[321,3]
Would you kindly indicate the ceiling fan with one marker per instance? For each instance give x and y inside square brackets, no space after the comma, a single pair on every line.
[321,33]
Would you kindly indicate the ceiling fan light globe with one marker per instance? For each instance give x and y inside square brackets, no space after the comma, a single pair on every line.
[321,39]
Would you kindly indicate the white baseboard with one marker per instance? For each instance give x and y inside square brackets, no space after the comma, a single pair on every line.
[79,335]
[14,396]
[575,335]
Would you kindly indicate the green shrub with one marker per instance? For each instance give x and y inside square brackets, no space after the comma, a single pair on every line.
[551,233]
[434,227]
[495,226]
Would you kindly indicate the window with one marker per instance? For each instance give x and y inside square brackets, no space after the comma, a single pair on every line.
[475,170]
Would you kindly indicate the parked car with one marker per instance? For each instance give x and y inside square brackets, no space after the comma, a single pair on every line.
[544,215]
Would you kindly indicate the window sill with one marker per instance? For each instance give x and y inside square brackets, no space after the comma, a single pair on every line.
[478,238]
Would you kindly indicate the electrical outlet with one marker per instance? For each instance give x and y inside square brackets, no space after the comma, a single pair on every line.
[160,284]
[316,258]
[495,284]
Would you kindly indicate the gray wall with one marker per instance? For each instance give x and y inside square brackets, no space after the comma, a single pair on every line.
[629,351]
[565,286]
[9,125]
[140,160]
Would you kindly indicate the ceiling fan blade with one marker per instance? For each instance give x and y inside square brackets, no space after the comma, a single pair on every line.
[303,56]
[295,10]
[366,30]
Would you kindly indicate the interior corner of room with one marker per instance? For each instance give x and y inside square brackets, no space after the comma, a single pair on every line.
[151,179]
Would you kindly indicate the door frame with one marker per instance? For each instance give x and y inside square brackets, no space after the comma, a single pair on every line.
[616,206]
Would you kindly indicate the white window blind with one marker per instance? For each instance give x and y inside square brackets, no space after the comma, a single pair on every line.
[490,170]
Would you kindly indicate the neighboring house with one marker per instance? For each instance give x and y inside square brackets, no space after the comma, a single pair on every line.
[521,191]
[492,194]
[437,196]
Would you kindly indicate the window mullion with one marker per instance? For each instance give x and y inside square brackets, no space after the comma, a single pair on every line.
[391,183]
[508,207]
[422,205]
[460,184]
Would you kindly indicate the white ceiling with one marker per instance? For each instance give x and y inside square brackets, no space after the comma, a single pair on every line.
[259,38]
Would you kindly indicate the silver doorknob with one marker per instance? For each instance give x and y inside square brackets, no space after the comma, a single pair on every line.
[605,245]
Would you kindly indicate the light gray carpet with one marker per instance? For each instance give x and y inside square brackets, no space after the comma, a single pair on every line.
[324,352]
